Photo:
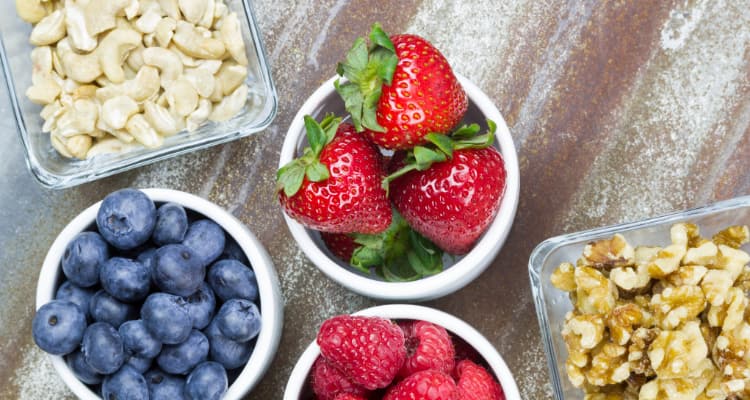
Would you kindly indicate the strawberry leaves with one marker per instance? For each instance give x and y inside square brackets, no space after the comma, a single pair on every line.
[441,148]
[290,177]
[366,69]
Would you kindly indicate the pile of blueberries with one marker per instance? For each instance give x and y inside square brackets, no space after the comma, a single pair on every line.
[158,304]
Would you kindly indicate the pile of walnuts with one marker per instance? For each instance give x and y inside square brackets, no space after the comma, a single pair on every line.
[653,323]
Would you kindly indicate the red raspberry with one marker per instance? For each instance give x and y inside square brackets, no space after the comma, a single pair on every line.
[368,350]
[424,385]
[349,396]
[428,346]
[475,383]
[329,383]
[465,351]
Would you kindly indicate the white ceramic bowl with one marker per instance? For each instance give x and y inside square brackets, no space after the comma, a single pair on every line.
[297,387]
[466,268]
[271,304]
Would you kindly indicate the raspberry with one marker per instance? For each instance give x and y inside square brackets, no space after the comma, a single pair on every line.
[424,385]
[465,351]
[368,350]
[329,383]
[349,396]
[475,383]
[428,346]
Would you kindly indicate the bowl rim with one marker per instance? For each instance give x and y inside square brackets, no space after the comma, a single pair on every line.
[449,280]
[543,250]
[455,325]
[271,304]
[53,180]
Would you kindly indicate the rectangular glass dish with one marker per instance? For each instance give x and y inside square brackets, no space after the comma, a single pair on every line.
[552,304]
[55,171]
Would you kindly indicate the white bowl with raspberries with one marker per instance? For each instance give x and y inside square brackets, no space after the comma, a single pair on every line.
[431,351]
[269,310]
[459,270]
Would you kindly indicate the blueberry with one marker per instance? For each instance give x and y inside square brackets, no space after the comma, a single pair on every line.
[227,352]
[126,218]
[201,305]
[182,358]
[230,279]
[126,384]
[177,270]
[239,320]
[138,363]
[164,386]
[76,295]
[83,257]
[171,224]
[102,348]
[206,239]
[58,327]
[146,257]
[105,308]
[81,370]
[137,340]
[124,279]
[233,251]
[208,381]
[166,318]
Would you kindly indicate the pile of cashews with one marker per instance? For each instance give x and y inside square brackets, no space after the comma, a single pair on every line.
[115,74]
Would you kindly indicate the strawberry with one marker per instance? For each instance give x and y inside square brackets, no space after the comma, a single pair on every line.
[329,383]
[342,245]
[368,350]
[450,192]
[335,186]
[400,89]
[424,385]
[428,346]
[475,383]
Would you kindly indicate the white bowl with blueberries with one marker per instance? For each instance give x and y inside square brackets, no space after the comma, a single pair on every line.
[158,294]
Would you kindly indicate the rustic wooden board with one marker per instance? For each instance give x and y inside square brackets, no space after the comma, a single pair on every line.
[620,110]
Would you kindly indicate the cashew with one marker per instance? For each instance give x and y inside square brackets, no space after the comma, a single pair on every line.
[232,37]
[57,64]
[211,66]
[76,25]
[165,31]
[149,39]
[49,30]
[81,68]
[193,10]
[135,58]
[161,119]
[41,63]
[107,145]
[202,80]
[116,111]
[193,43]
[101,15]
[143,132]
[231,76]
[31,11]
[114,49]
[220,11]
[44,92]
[208,16]
[200,115]
[230,105]
[50,114]
[132,10]
[184,58]
[79,119]
[171,8]
[182,97]
[148,22]
[84,92]
[121,134]
[58,143]
[166,61]
[146,6]
[79,145]
[144,85]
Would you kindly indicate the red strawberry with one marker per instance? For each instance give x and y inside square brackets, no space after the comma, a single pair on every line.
[428,346]
[342,245]
[452,193]
[400,89]
[424,385]
[336,185]
[329,383]
[475,383]
[368,350]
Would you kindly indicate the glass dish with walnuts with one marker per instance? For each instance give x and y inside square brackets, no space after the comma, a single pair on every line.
[659,322]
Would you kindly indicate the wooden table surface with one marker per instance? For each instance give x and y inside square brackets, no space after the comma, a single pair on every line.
[620,110]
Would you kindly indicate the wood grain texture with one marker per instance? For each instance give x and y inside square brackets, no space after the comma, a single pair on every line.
[620,110]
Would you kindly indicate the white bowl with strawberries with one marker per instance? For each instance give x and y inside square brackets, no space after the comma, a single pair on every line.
[405,192]
[400,352]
